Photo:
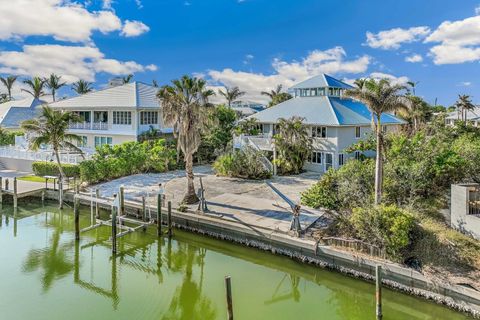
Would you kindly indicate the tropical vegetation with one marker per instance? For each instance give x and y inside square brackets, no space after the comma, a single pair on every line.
[54,83]
[36,85]
[246,163]
[231,94]
[186,108]
[8,83]
[276,96]
[82,87]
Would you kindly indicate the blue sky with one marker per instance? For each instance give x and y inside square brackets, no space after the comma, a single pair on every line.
[254,44]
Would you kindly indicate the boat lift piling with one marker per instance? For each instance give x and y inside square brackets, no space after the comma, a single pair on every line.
[159,214]
[114,227]
[169,219]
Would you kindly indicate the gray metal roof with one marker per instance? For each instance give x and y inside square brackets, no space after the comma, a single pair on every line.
[135,94]
[471,114]
[320,81]
[323,110]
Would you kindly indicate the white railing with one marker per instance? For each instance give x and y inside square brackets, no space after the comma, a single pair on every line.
[40,155]
[258,143]
[88,125]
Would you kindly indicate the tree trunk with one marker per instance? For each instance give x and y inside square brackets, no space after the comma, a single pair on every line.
[378,164]
[60,185]
[190,195]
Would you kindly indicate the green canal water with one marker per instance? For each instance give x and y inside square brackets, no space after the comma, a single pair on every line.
[45,274]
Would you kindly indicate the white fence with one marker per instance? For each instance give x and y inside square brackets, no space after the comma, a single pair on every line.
[40,155]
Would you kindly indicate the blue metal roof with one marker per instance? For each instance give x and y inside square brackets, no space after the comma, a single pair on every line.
[16,115]
[320,81]
[323,110]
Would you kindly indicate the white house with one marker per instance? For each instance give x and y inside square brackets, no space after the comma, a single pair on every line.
[335,122]
[114,115]
[472,116]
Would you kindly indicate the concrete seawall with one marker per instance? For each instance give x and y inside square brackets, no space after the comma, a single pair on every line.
[394,275]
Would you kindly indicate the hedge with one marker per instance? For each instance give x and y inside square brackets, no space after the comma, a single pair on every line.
[51,169]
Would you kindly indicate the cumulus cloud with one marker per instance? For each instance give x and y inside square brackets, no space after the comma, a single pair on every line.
[414,58]
[72,62]
[393,79]
[332,61]
[459,41]
[134,28]
[393,38]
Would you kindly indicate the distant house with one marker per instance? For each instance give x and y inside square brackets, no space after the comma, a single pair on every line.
[335,122]
[473,117]
[246,108]
[115,115]
[13,113]
[465,208]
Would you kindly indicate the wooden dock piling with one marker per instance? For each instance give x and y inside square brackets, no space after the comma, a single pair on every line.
[228,292]
[114,227]
[97,195]
[1,191]
[169,219]
[378,291]
[6,184]
[144,210]
[159,214]
[76,212]
[60,193]
[122,201]
[15,189]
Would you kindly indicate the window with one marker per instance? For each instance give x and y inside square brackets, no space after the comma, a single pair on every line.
[357,132]
[84,115]
[341,159]
[83,143]
[122,117]
[384,129]
[100,116]
[319,132]
[100,141]
[316,157]
[149,117]
[358,155]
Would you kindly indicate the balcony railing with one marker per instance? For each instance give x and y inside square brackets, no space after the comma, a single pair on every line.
[41,155]
[88,125]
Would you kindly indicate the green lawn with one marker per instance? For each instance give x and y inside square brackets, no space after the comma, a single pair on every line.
[34,179]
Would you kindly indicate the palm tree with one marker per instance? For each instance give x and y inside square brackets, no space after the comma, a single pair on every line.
[380,97]
[359,82]
[127,79]
[8,83]
[464,104]
[155,83]
[54,84]
[51,129]
[186,108]
[36,86]
[82,87]
[231,94]
[418,112]
[276,96]
[413,85]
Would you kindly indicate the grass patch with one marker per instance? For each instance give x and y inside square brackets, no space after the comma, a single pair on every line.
[34,179]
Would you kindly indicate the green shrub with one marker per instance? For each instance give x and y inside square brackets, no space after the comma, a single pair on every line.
[350,186]
[8,137]
[388,227]
[111,162]
[246,164]
[51,169]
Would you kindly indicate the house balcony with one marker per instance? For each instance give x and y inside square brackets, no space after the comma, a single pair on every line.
[262,142]
[88,126]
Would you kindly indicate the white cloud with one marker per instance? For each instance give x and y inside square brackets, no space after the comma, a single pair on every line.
[414,58]
[477,10]
[393,38]
[393,79]
[459,41]
[330,61]
[107,4]
[71,62]
[64,20]
[134,28]
[465,84]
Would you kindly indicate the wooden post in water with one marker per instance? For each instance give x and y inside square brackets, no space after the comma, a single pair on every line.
[114,227]
[60,193]
[122,201]
[6,184]
[43,197]
[97,195]
[169,219]
[76,212]
[144,210]
[15,197]
[1,191]
[159,214]
[378,291]
[228,292]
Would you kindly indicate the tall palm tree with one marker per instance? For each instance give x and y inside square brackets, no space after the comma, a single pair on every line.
[82,87]
[8,83]
[464,104]
[186,108]
[231,94]
[53,83]
[359,82]
[127,79]
[36,86]
[380,97]
[51,129]
[276,96]
[413,85]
